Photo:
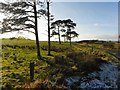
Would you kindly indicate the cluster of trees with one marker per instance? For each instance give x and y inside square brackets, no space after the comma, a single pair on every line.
[64,26]
[22,16]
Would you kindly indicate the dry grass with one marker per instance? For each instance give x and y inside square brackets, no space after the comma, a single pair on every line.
[38,84]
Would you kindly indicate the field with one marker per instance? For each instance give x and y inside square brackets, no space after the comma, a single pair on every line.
[78,59]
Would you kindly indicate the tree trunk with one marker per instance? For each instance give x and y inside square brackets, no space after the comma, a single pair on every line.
[70,40]
[59,35]
[64,39]
[70,37]
[36,33]
[48,29]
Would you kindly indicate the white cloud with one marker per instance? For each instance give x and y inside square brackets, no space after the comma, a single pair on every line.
[103,25]
[108,37]
[95,24]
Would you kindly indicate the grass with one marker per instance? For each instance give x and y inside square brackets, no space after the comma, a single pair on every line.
[65,61]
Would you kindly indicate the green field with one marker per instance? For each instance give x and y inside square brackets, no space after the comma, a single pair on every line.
[78,59]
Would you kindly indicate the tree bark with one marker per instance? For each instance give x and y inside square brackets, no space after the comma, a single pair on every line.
[48,29]
[36,32]
[70,37]
[59,35]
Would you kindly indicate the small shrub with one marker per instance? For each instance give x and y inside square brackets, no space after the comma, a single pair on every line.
[108,45]
[75,55]
[60,60]
[12,38]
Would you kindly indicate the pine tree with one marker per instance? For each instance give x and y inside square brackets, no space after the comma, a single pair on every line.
[56,26]
[69,24]
[22,16]
[67,27]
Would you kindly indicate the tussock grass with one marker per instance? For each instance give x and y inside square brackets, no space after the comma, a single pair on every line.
[65,61]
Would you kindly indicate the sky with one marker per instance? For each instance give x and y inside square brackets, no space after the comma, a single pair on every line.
[95,20]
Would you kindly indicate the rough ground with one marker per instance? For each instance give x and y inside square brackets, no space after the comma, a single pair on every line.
[105,78]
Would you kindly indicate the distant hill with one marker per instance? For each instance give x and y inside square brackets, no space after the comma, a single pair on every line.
[93,41]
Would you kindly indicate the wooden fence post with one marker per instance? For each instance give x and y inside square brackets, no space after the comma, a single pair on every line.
[32,71]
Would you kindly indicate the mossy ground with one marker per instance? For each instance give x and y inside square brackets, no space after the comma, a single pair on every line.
[78,59]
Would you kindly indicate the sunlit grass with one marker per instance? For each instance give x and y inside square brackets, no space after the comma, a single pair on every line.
[65,60]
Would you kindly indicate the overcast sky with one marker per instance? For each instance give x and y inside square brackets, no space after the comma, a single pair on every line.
[95,20]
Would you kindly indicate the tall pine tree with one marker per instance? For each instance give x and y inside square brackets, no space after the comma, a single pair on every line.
[22,16]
